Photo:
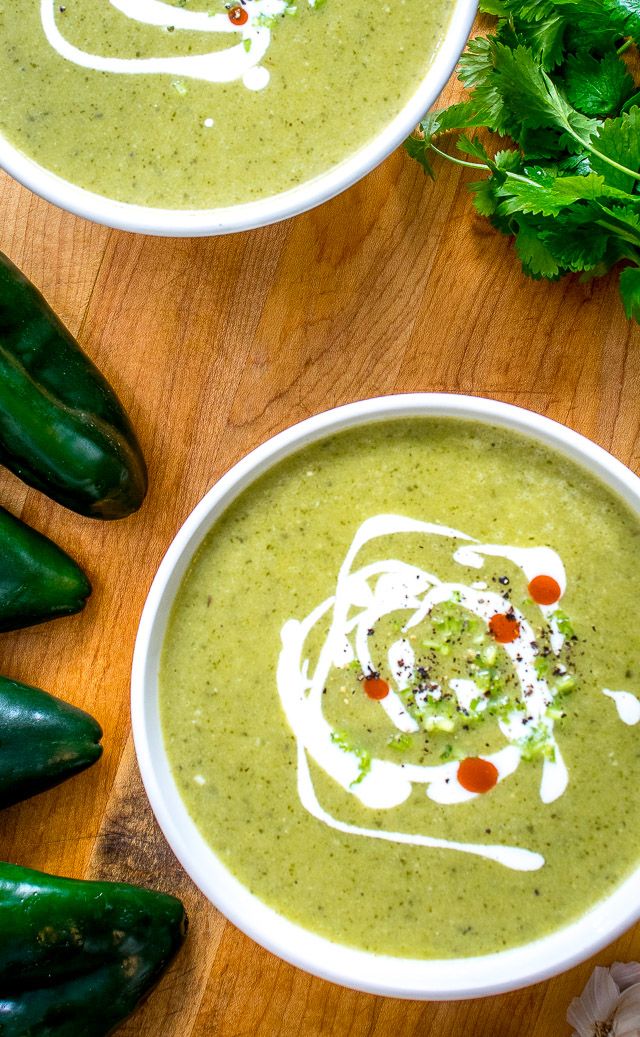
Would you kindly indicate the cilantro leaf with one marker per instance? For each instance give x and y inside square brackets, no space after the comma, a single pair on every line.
[484,199]
[418,148]
[472,146]
[530,98]
[597,86]
[630,291]
[537,261]
[508,159]
[631,102]
[618,139]
[550,195]
[528,95]
[577,243]
[550,79]
[475,64]
[527,10]
[456,117]
[495,7]
[621,17]
[546,40]
[626,218]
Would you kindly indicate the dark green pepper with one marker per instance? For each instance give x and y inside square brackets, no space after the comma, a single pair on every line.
[62,428]
[76,957]
[43,741]
[38,581]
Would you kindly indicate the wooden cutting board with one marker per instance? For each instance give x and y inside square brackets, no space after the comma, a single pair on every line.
[213,345]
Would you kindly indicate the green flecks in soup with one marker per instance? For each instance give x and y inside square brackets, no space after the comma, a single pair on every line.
[195,105]
[399,689]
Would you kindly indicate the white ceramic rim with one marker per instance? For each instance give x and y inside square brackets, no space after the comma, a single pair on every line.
[447,979]
[206,222]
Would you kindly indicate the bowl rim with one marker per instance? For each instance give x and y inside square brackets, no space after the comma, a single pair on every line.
[435,979]
[262,212]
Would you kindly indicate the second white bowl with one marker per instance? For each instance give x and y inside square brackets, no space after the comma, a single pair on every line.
[380,974]
[202,222]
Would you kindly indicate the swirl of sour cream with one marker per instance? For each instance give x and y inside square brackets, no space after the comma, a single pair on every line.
[238,62]
[362,597]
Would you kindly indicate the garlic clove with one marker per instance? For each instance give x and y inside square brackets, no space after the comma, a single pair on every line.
[626,1019]
[626,974]
[596,1003]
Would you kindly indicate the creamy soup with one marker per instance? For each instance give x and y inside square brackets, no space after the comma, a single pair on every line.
[400,688]
[198,103]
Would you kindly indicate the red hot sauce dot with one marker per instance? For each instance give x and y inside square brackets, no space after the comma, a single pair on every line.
[375,688]
[477,775]
[504,628]
[238,15]
[544,590]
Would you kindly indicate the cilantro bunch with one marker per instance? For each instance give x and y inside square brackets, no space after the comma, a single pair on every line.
[554,79]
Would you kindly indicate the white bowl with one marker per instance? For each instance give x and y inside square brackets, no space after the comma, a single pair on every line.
[201,222]
[380,974]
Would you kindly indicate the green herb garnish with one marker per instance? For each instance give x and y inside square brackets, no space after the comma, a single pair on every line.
[364,758]
[542,664]
[563,623]
[537,743]
[552,79]
[565,684]
[400,742]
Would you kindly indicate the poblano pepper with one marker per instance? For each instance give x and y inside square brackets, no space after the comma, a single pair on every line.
[76,957]
[43,741]
[62,428]
[38,581]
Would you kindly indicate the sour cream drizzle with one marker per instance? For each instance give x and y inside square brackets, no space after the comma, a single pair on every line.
[241,61]
[510,856]
[627,705]
[400,586]
[532,561]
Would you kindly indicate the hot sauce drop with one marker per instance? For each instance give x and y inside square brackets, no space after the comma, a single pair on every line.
[544,590]
[238,15]
[477,775]
[375,688]
[504,628]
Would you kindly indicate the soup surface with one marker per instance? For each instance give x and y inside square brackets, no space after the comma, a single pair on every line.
[400,688]
[198,103]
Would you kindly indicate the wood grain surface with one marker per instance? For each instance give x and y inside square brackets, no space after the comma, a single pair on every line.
[213,345]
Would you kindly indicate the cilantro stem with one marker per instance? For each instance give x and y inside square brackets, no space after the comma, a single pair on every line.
[619,231]
[612,162]
[518,176]
[526,179]
[460,161]
[625,46]
[483,165]
[594,151]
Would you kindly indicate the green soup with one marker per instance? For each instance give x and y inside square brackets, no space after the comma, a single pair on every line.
[197,104]
[399,689]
